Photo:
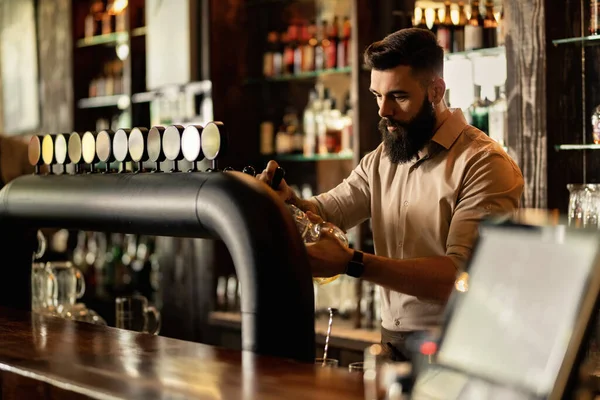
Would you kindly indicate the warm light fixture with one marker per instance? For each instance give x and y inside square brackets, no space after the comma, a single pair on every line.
[118,7]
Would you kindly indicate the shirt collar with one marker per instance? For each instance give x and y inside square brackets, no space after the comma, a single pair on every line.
[446,134]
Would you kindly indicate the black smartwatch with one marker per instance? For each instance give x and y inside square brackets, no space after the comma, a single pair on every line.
[356,267]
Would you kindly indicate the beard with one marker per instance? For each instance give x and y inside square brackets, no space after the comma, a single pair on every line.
[403,144]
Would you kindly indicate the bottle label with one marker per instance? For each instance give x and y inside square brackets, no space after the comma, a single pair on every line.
[473,37]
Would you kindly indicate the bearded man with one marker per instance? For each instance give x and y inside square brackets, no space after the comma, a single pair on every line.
[426,188]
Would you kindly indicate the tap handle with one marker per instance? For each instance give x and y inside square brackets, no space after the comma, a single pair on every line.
[277,178]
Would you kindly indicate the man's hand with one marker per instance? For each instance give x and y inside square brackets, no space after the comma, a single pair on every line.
[284,192]
[328,257]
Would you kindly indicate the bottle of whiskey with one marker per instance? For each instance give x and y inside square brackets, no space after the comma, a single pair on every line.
[422,22]
[458,44]
[490,26]
[474,28]
[445,30]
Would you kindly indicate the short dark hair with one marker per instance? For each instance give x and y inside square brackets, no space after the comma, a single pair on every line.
[414,47]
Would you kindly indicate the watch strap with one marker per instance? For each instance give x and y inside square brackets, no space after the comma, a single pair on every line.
[356,267]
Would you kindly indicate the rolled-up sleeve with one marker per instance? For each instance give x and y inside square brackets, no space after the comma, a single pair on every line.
[349,203]
[492,185]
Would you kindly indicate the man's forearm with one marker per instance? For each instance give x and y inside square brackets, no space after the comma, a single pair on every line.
[431,278]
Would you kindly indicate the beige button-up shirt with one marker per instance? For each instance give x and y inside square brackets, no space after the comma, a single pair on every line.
[428,207]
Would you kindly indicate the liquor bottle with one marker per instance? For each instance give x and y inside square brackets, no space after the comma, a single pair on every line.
[321,42]
[290,50]
[333,37]
[501,30]
[301,42]
[498,116]
[596,125]
[308,58]
[325,44]
[436,21]
[269,54]
[459,29]
[594,17]
[490,26]
[422,23]
[479,110]
[344,45]
[474,28]
[309,125]
[446,30]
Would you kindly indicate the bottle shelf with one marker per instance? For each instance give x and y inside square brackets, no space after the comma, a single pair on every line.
[120,100]
[301,76]
[562,147]
[111,39]
[585,40]
[141,31]
[315,157]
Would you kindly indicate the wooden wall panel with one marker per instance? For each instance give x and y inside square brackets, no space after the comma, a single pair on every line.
[55,66]
[55,47]
[526,95]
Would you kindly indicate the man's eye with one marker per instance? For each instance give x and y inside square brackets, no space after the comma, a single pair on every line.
[399,97]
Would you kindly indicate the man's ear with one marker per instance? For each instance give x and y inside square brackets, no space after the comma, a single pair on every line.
[436,91]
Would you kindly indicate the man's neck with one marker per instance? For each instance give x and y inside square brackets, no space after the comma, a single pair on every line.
[442,113]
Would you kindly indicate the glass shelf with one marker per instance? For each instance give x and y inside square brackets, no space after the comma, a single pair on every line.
[111,39]
[577,147]
[490,52]
[303,158]
[141,31]
[301,76]
[587,40]
[120,100]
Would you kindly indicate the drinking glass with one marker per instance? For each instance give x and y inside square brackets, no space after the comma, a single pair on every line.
[327,362]
[356,367]
[70,285]
[133,313]
[584,202]
[43,287]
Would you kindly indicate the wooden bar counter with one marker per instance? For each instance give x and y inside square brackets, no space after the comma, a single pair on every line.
[51,358]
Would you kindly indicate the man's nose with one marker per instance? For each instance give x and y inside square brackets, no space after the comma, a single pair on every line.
[386,108]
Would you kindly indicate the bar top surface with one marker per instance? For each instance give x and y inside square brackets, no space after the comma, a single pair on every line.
[108,363]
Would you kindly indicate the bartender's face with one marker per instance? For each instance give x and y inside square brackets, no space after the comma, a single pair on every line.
[406,110]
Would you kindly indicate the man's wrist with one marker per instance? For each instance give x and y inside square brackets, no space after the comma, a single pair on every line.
[356,266]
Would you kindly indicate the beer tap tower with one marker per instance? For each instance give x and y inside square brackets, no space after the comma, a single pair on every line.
[269,256]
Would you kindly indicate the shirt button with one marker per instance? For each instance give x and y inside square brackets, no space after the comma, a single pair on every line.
[406,204]
[400,246]
[397,322]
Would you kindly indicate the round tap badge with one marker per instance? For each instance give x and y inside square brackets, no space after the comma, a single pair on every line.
[48,149]
[171,142]
[191,145]
[88,147]
[137,144]
[120,145]
[74,148]
[34,151]
[154,144]
[60,149]
[104,146]
[213,140]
